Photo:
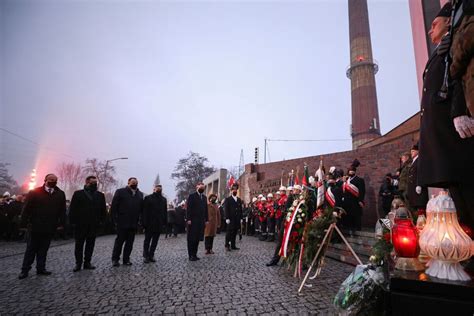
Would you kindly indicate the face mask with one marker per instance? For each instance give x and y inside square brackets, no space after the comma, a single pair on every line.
[158,191]
[51,184]
[200,190]
[234,193]
[93,186]
[134,186]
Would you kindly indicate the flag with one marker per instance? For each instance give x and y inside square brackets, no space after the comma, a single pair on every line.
[320,178]
[297,180]
[231,181]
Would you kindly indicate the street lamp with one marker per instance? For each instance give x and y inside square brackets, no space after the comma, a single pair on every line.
[106,166]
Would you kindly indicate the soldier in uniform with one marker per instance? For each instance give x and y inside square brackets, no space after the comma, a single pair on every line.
[270,210]
[333,194]
[446,152]
[353,194]
[417,195]
[280,209]
[262,218]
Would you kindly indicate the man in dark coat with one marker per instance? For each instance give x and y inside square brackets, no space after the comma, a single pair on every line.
[86,212]
[386,193]
[353,199]
[127,206]
[154,220]
[171,229]
[233,216]
[417,194]
[43,214]
[196,219]
[446,159]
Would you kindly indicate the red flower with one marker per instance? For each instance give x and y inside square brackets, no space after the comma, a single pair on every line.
[294,234]
[386,236]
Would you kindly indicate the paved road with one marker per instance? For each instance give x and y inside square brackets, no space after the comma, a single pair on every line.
[225,283]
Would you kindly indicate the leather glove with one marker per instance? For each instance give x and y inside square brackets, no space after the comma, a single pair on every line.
[418,189]
[227,221]
[464,126]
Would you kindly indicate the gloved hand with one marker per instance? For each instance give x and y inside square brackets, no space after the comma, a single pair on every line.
[464,126]
[227,221]
[418,189]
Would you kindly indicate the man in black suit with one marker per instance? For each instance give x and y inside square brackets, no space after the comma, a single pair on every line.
[353,198]
[233,215]
[153,220]
[196,219]
[43,214]
[86,212]
[127,206]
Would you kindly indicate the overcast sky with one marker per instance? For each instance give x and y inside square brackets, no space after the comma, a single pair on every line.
[153,80]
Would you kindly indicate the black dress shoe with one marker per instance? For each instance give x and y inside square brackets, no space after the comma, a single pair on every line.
[78,267]
[235,248]
[23,275]
[115,263]
[127,263]
[146,260]
[197,258]
[88,266]
[272,263]
[193,259]
[43,272]
[152,259]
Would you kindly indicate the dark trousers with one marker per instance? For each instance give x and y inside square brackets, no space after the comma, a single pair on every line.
[276,254]
[171,229]
[271,225]
[126,236]
[150,243]
[463,197]
[263,227]
[37,246]
[193,244]
[230,235]
[208,242]
[84,235]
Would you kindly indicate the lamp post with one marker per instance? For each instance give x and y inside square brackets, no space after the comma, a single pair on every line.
[105,171]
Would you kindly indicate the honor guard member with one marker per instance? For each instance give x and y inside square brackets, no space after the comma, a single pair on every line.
[354,194]
[270,210]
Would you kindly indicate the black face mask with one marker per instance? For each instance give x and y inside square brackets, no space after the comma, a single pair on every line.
[234,193]
[158,192]
[200,190]
[51,184]
[133,186]
[93,187]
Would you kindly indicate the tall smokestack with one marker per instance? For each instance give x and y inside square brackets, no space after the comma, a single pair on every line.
[361,72]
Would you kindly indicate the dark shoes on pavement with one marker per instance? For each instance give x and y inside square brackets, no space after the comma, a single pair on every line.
[115,263]
[88,266]
[43,272]
[194,258]
[273,262]
[77,268]
[127,263]
[23,275]
[235,248]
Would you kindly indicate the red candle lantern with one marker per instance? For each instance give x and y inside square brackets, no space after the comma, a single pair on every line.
[405,242]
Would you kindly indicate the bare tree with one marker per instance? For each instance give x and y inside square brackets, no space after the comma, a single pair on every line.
[104,172]
[188,172]
[70,177]
[7,183]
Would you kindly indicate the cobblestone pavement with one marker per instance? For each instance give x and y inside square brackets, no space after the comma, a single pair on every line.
[232,283]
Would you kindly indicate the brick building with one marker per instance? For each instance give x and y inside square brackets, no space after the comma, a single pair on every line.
[377,157]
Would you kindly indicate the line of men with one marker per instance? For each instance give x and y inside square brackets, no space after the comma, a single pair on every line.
[44,213]
[10,211]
